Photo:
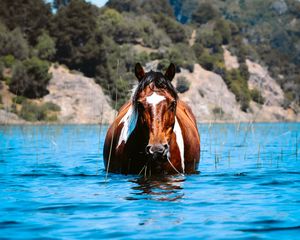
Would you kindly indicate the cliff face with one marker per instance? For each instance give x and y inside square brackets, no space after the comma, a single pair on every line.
[211,100]
[81,100]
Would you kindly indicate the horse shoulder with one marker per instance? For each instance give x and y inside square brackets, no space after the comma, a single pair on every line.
[189,130]
[115,128]
[185,110]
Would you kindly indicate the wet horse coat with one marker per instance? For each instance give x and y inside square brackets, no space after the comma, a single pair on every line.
[154,132]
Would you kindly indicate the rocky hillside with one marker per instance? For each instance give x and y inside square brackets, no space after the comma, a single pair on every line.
[211,100]
[255,77]
[81,100]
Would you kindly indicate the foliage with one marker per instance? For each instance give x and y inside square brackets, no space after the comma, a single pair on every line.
[218,111]
[175,30]
[8,61]
[182,84]
[30,78]
[77,40]
[115,75]
[45,48]
[1,70]
[256,96]
[211,62]
[13,43]
[162,7]
[204,13]
[239,86]
[57,4]
[142,7]
[124,5]
[30,16]
[19,99]
[223,28]
[38,112]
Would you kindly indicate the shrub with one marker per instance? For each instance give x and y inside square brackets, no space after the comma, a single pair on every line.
[13,43]
[218,111]
[174,29]
[256,96]
[50,106]
[163,64]
[182,55]
[239,87]
[45,48]
[223,27]
[30,78]
[33,112]
[19,99]
[182,85]
[204,13]
[8,61]
[211,62]
[1,70]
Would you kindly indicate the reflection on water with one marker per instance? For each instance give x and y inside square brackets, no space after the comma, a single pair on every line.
[159,188]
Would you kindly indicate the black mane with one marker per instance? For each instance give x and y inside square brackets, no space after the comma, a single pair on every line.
[159,81]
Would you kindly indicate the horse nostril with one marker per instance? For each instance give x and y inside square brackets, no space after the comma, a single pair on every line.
[148,149]
[166,146]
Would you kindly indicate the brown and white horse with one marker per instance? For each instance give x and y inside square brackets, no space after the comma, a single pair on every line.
[154,132]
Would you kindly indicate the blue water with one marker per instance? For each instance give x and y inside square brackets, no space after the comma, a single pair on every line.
[53,186]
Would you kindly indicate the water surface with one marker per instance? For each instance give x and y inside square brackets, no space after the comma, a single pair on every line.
[53,186]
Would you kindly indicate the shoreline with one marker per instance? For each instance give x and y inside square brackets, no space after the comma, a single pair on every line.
[107,124]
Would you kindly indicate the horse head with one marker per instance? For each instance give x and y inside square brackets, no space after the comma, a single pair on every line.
[155,101]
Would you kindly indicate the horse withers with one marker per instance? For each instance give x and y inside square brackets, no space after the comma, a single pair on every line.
[154,132]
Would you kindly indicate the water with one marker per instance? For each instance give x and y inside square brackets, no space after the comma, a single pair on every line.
[53,186]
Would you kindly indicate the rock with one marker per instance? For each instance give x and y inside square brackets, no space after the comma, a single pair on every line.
[9,118]
[231,62]
[280,7]
[209,94]
[261,80]
[81,100]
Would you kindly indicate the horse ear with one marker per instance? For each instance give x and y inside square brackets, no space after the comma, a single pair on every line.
[170,73]
[139,71]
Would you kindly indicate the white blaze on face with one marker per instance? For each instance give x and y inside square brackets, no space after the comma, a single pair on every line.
[179,140]
[129,122]
[154,99]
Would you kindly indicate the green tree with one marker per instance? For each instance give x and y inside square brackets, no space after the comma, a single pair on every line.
[32,17]
[77,38]
[30,78]
[223,27]
[174,29]
[13,43]
[124,5]
[204,13]
[158,7]
[57,4]
[45,48]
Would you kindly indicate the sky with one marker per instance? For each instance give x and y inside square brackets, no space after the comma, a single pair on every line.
[99,3]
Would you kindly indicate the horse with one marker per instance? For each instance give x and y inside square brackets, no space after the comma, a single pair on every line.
[154,132]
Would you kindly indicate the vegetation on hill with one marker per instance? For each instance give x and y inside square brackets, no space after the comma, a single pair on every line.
[269,29]
[101,42]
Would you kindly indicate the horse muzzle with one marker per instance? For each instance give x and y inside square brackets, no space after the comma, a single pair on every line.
[157,151]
